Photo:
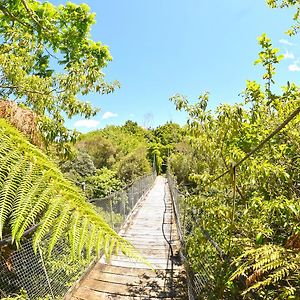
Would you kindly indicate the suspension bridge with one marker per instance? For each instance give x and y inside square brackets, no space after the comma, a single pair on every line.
[151,215]
[151,229]
[145,215]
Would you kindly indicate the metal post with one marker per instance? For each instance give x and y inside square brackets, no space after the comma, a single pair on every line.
[111,213]
[124,203]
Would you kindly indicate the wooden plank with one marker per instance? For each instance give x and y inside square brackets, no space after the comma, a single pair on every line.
[124,278]
[104,270]
[86,294]
[119,291]
[125,271]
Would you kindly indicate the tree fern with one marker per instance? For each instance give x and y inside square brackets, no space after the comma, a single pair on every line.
[47,221]
[33,191]
[26,194]
[269,266]
[91,238]
[59,227]
[74,233]
[9,191]
[36,208]
[84,232]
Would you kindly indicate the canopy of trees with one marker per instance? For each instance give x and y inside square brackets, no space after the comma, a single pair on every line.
[120,154]
[47,60]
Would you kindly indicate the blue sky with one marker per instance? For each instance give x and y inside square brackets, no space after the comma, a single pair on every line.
[163,47]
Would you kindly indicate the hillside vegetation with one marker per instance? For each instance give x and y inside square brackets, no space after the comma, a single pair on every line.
[107,160]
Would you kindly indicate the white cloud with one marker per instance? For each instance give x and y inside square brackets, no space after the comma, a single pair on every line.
[109,114]
[87,123]
[289,55]
[285,42]
[294,68]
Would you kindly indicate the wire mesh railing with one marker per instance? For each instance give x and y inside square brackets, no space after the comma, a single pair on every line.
[179,208]
[200,282]
[44,277]
[37,274]
[117,206]
[212,263]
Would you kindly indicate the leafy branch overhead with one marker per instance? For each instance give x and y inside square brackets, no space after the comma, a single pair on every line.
[33,191]
[47,60]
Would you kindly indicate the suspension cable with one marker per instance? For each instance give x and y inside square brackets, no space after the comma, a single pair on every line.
[263,142]
[170,251]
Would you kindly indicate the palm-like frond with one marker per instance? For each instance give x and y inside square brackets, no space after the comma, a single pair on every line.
[34,191]
[267,266]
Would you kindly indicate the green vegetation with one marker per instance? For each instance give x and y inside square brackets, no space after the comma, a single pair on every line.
[21,296]
[47,61]
[108,159]
[34,191]
[122,149]
[252,212]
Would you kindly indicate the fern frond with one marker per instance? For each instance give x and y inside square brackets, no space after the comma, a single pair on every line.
[27,190]
[267,266]
[34,191]
[111,248]
[47,222]
[59,227]
[36,208]
[83,235]
[91,240]
[6,161]
[99,242]
[74,233]
[8,191]
[106,247]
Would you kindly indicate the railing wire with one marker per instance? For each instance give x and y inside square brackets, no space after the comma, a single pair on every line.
[201,282]
[44,277]
[193,282]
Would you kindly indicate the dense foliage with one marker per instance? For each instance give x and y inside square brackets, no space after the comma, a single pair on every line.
[34,191]
[108,159]
[47,60]
[253,212]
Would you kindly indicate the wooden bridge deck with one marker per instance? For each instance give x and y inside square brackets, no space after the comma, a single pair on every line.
[127,279]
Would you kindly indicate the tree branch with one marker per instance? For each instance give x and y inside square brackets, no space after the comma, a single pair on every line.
[30,12]
[52,55]
[13,17]
[33,16]
[25,90]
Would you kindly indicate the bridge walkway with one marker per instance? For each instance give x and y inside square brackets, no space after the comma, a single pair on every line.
[122,278]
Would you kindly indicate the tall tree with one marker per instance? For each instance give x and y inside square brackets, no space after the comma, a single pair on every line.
[48,60]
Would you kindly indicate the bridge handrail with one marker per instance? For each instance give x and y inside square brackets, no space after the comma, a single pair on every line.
[119,204]
[42,276]
[231,170]
[175,195]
